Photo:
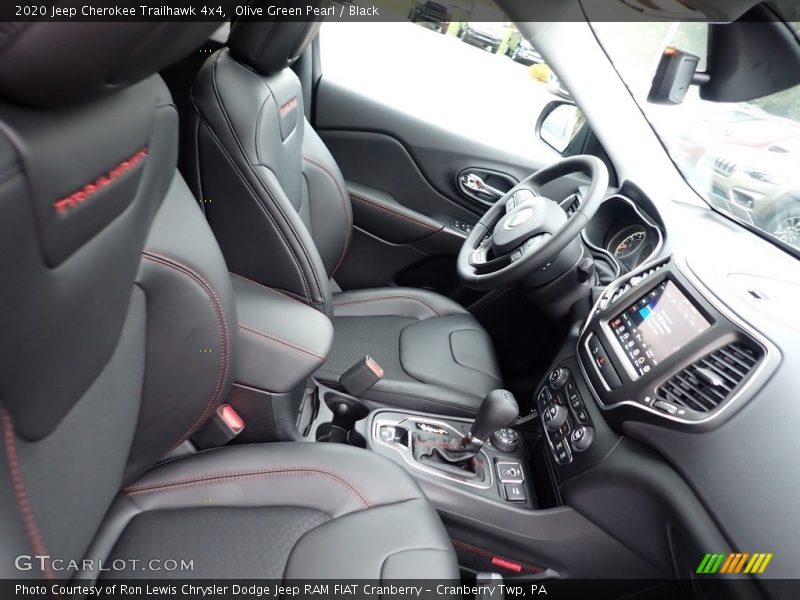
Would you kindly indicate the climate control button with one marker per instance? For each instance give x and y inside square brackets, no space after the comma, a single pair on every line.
[554,417]
[581,438]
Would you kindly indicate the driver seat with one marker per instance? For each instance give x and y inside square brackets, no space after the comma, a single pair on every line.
[281,212]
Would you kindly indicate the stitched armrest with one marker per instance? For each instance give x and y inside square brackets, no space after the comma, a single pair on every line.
[281,340]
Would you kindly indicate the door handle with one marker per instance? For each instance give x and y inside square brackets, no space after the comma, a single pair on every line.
[474,183]
[484,185]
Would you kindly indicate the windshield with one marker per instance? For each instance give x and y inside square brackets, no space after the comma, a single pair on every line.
[742,158]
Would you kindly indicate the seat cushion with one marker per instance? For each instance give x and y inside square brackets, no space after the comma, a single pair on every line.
[280,511]
[436,357]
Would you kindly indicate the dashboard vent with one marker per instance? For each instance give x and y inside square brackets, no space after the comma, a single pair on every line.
[636,279]
[708,382]
[574,205]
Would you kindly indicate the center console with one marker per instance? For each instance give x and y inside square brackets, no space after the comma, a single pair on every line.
[539,496]
[498,471]
[658,347]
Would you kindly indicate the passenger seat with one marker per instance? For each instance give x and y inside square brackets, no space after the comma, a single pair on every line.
[281,212]
[119,341]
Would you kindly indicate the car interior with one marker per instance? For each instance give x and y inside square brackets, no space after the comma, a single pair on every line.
[259,319]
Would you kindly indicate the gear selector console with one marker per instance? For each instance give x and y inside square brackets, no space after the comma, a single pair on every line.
[483,456]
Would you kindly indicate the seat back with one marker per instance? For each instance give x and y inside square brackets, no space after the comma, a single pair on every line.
[88,142]
[270,189]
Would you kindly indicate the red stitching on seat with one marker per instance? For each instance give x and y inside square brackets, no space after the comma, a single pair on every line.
[343,198]
[412,298]
[269,336]
[223,332]
[254,474]
[295,298]
[18,483]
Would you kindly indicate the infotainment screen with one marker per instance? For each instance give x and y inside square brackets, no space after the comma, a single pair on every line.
[656,326]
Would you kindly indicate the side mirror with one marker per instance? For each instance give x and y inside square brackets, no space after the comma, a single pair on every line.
[559,123]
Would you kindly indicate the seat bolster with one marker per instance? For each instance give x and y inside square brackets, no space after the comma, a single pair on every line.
[396,301]
[338,480]
[393,541]
[334,479]
[453,352]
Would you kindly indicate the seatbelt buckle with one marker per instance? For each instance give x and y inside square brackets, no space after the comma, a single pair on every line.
[361,376]
[223,426]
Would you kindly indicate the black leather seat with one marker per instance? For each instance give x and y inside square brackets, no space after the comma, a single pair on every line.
[120,340]
[281,212]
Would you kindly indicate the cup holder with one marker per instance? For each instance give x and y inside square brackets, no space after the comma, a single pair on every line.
[327,433]
[347,411]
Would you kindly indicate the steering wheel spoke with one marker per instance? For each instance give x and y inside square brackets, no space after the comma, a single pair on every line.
[520,195]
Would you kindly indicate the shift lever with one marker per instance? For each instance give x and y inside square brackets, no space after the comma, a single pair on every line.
[498,409]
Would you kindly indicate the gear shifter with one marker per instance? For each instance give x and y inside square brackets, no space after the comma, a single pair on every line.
[498,409]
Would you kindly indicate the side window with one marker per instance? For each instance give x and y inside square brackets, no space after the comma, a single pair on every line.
[465,69]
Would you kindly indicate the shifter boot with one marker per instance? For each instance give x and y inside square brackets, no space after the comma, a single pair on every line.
[447,454]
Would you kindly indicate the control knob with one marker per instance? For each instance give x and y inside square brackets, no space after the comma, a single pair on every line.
[582,438]
[558,378]
[554,417]
[505,439]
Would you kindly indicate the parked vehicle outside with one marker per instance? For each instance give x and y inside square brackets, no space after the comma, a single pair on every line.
[525,53]
[486,35]
[431,14]
[759,185]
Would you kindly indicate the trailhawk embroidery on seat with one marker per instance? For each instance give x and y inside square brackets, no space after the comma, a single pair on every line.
[291,104]
[90,189]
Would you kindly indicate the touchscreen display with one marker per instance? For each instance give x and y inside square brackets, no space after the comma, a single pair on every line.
[657,325]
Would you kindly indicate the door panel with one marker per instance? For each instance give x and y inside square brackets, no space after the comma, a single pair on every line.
[367,129]
[402,131]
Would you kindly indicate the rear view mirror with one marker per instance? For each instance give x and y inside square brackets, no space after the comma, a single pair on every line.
[676,72]
[559,123]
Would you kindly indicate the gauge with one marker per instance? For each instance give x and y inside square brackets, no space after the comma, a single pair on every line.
[627,242]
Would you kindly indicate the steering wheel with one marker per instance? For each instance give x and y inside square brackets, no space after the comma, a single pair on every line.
[524,231]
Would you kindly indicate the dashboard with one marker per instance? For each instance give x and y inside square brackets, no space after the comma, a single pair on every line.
[682,372]
[659,348]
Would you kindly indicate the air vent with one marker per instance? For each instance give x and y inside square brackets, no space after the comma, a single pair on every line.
[710,381]
[637,279]
[574,205]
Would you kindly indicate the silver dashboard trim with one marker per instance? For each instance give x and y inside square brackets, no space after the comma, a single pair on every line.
[378,421]
[772,355]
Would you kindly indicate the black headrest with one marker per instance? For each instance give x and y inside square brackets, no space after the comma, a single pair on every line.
[50,64]
[88,149]
[270,46]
